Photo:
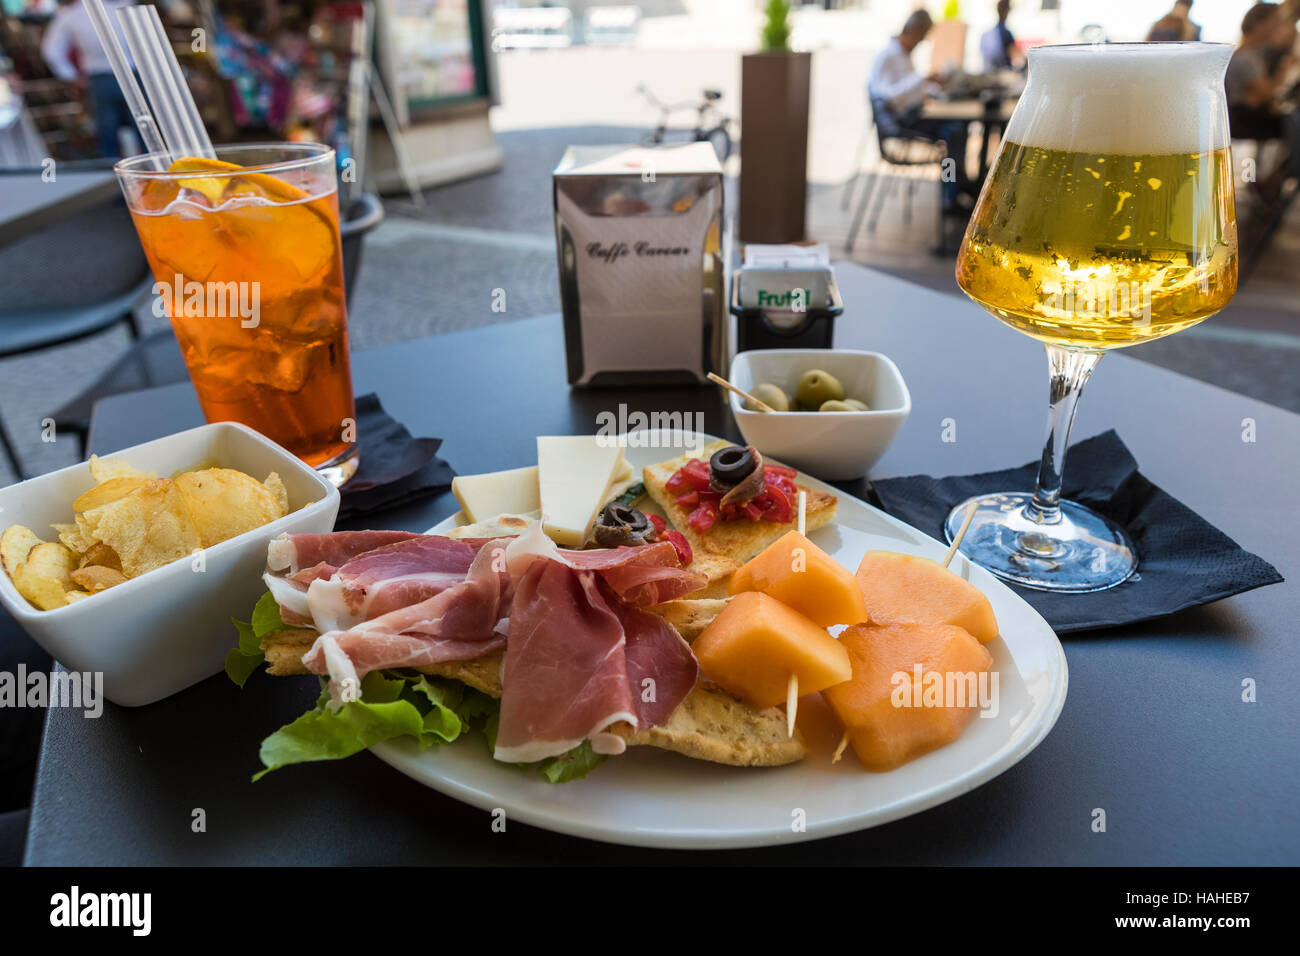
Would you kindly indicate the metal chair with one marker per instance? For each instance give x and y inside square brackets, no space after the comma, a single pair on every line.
[73,280]
[900,148]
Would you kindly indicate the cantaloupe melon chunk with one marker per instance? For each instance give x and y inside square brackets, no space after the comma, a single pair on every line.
[905,589]
[796,572]
[884,734]
[756,643]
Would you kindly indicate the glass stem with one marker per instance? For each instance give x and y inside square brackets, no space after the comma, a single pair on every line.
[1070,370]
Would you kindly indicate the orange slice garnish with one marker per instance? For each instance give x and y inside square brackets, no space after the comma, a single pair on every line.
[218,188]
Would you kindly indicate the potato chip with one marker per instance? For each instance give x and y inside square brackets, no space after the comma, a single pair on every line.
[73,597]
[223,503]
[45,577]
[85,528]
[15,544]
[106,469]
[110,490]
[147,528]
[70,534]
[275,485]
[101,555]
[97,577]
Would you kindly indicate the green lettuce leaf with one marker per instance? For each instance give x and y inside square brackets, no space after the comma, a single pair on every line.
[574,765]
[245,657]
[392,705]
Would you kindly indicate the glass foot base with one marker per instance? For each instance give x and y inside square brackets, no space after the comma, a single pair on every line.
[1081,552]
[341,467]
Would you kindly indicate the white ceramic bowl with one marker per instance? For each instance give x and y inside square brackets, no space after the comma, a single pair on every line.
[834,446]
[165,630]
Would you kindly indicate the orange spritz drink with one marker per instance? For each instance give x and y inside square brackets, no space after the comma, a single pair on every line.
[248,265]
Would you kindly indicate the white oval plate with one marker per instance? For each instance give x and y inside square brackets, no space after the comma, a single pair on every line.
[650,797]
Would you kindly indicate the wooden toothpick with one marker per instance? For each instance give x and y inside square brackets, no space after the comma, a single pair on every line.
[791,704]
[792,688]
[947,559]
[719,380]
[956,542]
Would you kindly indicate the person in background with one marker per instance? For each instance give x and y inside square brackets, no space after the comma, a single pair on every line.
[1280,53]
[71,34]
[1176,25]
[1251,85]
[1252,88]
[898,92]
[998,46]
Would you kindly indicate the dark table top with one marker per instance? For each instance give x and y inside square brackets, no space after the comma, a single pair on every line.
[29,203]
[1153,729]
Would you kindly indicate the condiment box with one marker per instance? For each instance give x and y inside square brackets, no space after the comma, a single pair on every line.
[785,297]
[639,238]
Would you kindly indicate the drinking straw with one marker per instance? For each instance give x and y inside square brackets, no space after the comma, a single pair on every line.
[144,120]
[143,53]
[190,118]
[176,112]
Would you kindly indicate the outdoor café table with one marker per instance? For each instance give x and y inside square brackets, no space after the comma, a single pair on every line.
[29,203]
[969,111]
[1153,730]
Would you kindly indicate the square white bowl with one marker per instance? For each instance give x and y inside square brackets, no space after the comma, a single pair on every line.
[169,628]
[834,446]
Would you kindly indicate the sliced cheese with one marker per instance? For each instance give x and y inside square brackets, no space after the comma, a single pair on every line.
[624,478]
[575,474]
[483,497]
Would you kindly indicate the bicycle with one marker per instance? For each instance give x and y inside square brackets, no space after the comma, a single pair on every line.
[711,125]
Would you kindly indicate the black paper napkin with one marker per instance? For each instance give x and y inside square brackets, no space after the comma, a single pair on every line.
[1183,560]
[395,468]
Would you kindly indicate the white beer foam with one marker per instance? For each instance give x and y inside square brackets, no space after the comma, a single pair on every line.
[1129,98]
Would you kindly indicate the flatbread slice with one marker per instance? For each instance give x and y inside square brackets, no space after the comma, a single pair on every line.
[721,550]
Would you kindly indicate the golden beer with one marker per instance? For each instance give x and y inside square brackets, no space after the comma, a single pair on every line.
[1107,220]
[1099,251]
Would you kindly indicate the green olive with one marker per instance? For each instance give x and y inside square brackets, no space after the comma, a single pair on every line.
[770,394]
[858,406]
[817,387]
[836,405]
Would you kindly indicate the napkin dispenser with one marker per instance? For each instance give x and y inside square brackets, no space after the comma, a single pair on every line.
[785,297]
[638,235]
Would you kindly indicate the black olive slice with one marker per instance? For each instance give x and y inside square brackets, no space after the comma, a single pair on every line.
[621,524]
[731,465]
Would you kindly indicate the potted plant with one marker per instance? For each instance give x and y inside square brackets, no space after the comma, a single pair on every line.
[774,84]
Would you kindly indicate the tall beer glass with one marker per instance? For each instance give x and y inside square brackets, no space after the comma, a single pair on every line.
[1107,221]
[248,263]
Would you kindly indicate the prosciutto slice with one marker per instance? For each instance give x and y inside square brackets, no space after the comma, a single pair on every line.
[463,621]
[389,579]
[581,653]
[565,673]
[292,552]
[580,657]
[640,576]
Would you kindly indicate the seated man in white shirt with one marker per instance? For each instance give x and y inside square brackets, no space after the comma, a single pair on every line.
[898,92]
